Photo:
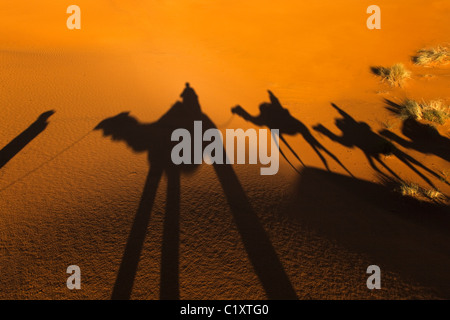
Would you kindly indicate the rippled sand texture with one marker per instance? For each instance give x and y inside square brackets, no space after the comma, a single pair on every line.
[71,196]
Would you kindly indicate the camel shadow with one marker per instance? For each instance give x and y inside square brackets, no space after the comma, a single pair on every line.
[155,139]
[360,135]
[397,233]
[19,142]
[422,137]
[274,116]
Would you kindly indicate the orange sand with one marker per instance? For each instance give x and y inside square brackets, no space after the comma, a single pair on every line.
[326,228]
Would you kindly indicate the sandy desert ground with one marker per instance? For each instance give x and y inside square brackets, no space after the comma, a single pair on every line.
[69,195]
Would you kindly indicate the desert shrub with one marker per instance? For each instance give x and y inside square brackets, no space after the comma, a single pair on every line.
[433,111]
[395,75]
[409,189]
[410,109]
[432,56]
[433,194]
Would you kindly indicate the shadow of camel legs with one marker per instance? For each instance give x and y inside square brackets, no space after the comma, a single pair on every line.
[155,138]
[170,286]
[169,289]
[258,246]
[128,267]
[360,135]
[400,234]
[274,116]
[260,251]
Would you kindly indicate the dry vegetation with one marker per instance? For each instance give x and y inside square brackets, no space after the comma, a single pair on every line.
[388,124]
[409,189]
[395,75]
[434,111]
[432,56]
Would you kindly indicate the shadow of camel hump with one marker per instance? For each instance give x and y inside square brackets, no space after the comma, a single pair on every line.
[155,139]
[19,142]
[360,135]
[274,116]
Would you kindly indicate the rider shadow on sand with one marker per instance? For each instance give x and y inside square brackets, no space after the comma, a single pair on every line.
[155,139]
[421,137]
[360,135]
[274,116]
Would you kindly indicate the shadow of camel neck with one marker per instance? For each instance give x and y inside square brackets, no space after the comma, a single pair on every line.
[155,139]
[19,142]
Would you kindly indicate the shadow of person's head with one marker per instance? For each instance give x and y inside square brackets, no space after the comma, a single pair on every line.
[46,115]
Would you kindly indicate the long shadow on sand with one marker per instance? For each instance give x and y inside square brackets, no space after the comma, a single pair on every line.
[274,116]
[19,142]
[359,134]
[155,139]
[397,233]
[421,137]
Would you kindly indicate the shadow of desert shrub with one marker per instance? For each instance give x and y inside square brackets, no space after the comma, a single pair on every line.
[395,75]
[432,56]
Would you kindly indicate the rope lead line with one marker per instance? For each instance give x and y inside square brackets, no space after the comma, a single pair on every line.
[226,122]
[69,147]
[45,162]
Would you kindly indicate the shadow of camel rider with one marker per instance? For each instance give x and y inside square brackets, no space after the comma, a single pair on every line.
[274,116]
